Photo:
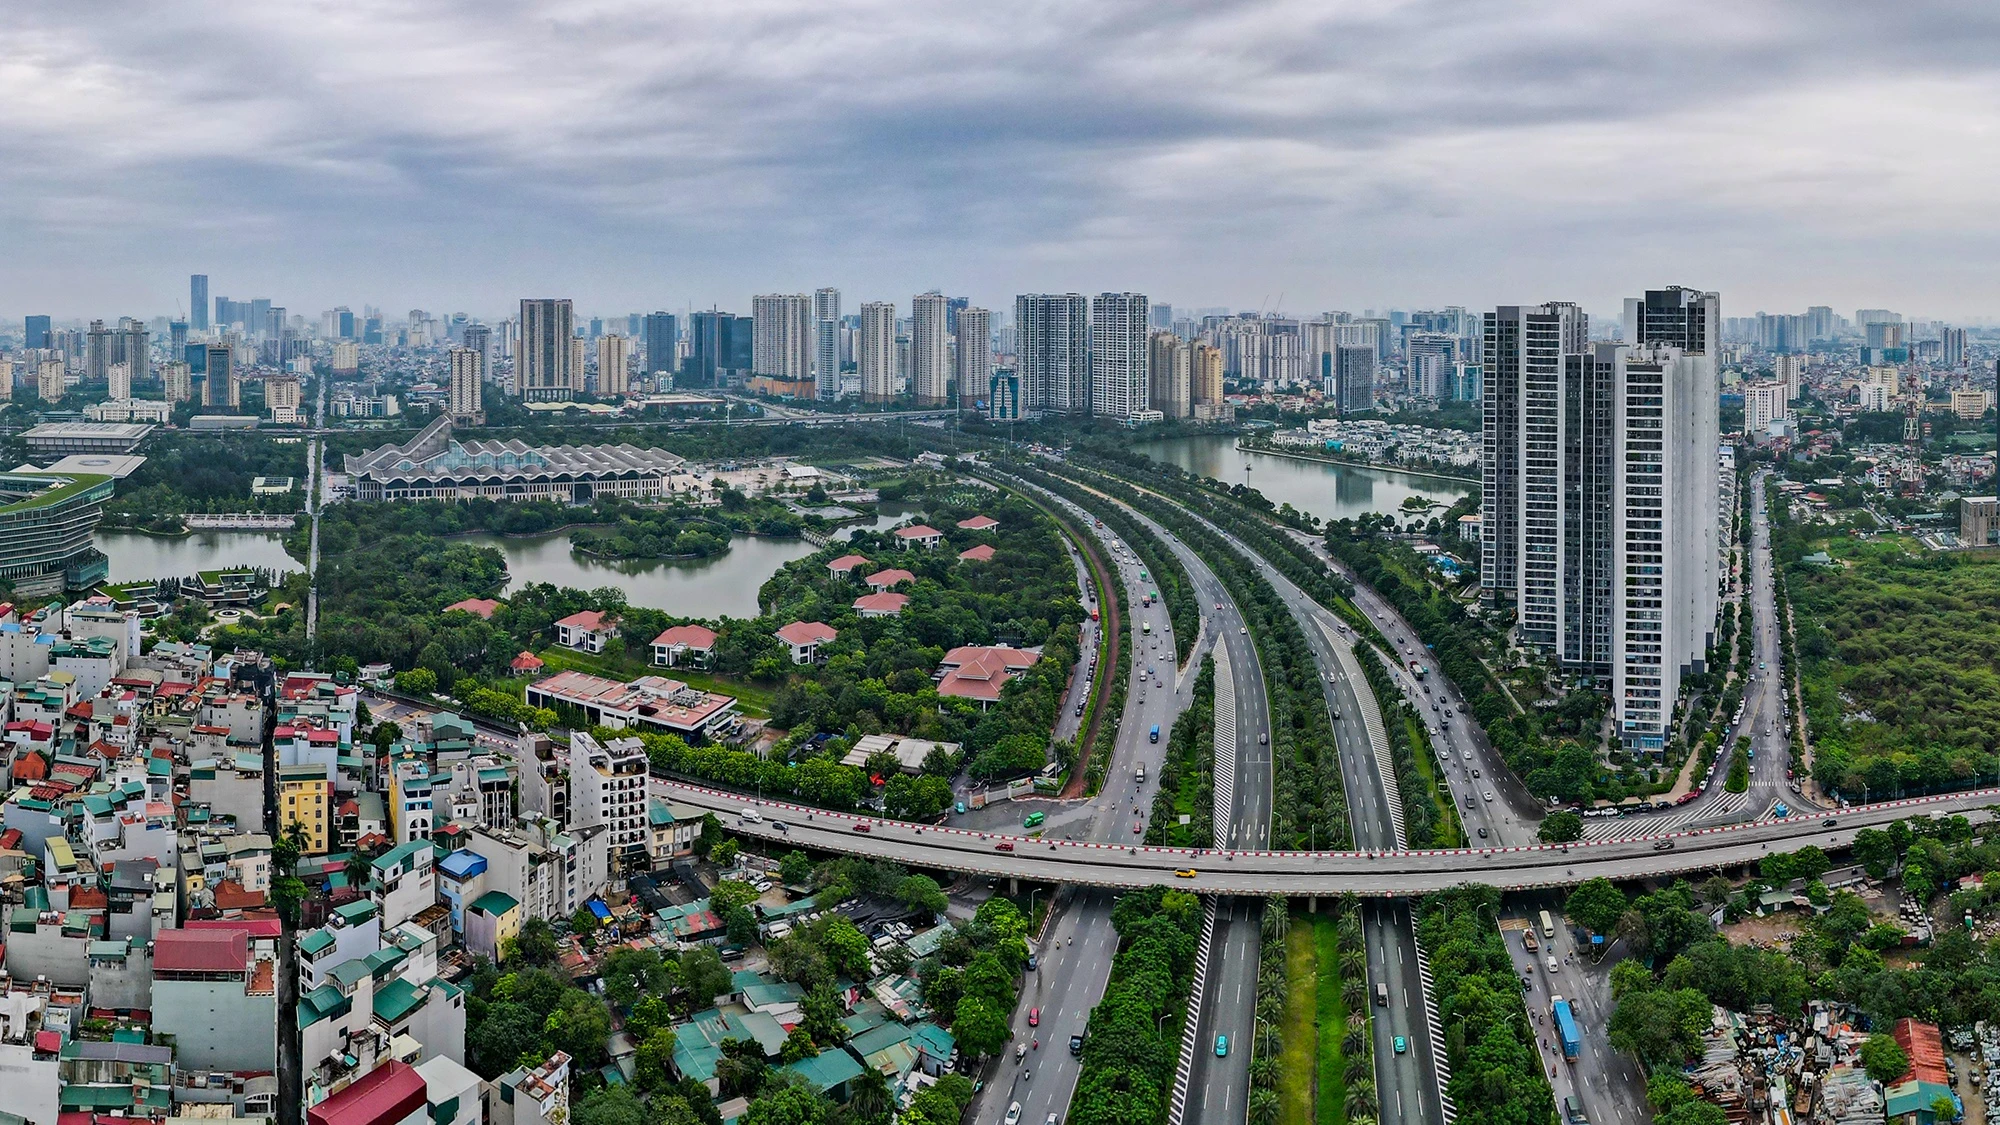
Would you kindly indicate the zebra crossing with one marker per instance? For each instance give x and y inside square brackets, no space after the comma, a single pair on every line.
[1226,750]
[1436,1026]
[1633,827]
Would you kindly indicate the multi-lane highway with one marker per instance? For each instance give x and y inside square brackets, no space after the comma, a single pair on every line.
[1075,952]
[1406,1085]
[1219,1086]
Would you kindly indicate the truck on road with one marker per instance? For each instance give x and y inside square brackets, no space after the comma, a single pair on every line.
[1417,670]
[1566,1029]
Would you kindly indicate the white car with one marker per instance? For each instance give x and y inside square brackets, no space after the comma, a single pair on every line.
[1014,1114]
[1554,965]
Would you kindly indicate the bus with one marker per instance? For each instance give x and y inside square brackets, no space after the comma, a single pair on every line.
[1156,732]
[1034,820]
[1146,628]
[1548,925]
[1142,576]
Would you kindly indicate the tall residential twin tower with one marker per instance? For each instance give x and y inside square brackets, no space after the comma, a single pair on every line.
[1600,519]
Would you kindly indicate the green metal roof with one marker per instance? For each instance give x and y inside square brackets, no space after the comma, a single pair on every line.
[315,942]
[494,903]
[397,999]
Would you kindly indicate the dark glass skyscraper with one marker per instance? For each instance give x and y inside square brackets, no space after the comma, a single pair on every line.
[198,301]
[37,335]
[661,333]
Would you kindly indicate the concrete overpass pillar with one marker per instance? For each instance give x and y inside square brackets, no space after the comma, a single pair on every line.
[1312,904]
[1013,885]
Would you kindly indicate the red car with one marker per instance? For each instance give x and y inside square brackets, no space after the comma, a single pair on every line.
[862,826]
[1138,827]
[1004,846]
[1034,1017]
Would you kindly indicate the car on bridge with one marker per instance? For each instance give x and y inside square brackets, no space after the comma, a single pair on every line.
[1222,1046]
[1401,1044]
[1187,874]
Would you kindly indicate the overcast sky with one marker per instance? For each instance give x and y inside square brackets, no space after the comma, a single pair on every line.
[1321,154]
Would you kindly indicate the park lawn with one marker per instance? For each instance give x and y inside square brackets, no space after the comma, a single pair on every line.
[1447,809]
[1296,1030]
[1330,1102]
[751,699]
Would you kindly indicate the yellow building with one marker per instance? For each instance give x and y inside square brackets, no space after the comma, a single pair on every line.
[305,799]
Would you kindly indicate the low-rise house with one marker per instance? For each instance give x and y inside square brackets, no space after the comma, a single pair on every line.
[885,604]
[845,565]
[981,553]
[889,579]
[478,607]
[978,523]
[216,999]
[919,536]
[589,630]
[980,672]
[694,644]
[805,637]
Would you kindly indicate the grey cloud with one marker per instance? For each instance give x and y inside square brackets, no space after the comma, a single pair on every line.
[639,154]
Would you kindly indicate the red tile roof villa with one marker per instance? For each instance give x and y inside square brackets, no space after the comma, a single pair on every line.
[478,607]
[978,672]
[981,553]
[922,535]
[807,633]
[846,563]
[885,604]
[979,523]
[889,579]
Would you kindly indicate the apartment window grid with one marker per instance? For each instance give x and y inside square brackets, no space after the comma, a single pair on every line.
[1541,486]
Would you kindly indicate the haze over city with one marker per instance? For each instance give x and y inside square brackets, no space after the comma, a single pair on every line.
[1294,156]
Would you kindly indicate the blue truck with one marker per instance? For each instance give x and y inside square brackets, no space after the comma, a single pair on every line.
[1566,1030]
[1156,733]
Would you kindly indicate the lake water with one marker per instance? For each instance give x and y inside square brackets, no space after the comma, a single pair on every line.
[723,584]
[1331,492]
[135,558]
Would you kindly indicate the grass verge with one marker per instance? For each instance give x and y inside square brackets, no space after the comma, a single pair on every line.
[1296,1061]
[1329,1102]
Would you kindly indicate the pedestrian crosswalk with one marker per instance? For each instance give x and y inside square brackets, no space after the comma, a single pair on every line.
[1673,820]
[1224,790]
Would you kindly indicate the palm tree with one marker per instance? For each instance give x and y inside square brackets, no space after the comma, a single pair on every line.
[1361,1100]
[1277,919]
[1263,1107]
[1354,1041]
[1352,992]
[1263,1071]
[869,1098]
[357,869]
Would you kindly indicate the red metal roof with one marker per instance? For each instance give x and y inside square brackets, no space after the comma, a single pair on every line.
[385,1095]
[200,951]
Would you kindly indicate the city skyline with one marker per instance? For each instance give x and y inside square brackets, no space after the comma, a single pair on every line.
[1401,156]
